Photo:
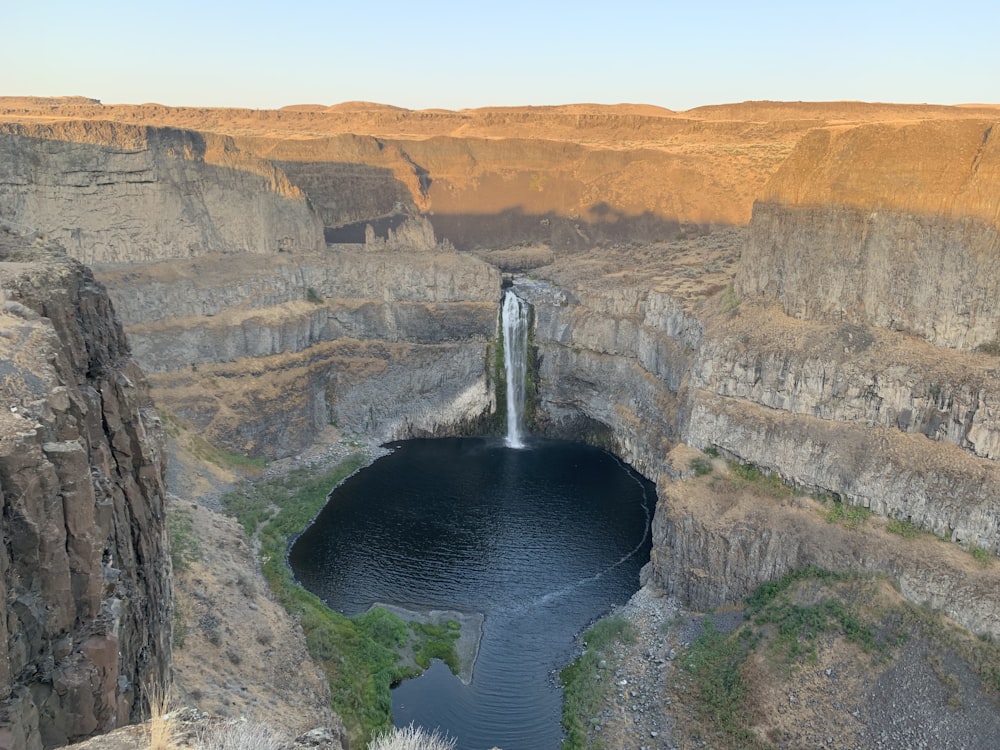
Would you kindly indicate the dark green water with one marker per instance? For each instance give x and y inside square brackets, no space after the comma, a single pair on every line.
[540,540]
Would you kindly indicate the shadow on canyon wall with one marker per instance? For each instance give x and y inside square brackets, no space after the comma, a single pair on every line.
[603,225]
[346,193]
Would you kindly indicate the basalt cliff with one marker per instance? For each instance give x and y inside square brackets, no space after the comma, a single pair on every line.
[84,570]
[808,288]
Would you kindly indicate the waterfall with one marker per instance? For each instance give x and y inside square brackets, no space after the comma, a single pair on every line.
[514,318]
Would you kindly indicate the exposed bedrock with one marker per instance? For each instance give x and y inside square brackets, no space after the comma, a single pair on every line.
[111,193]
[84,569]
[712,548]
[262,355]
[893,225]
[877,417]
[920,274]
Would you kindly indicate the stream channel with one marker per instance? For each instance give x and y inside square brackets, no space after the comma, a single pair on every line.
[538,541]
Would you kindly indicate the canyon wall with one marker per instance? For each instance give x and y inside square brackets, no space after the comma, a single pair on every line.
[889,225]
[262,356]
[84,569]
[843,340]
[109,192]
[893,413]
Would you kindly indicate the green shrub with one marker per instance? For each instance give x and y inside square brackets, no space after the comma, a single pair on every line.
[730,301]
[583,686]
[904,527]
[603,633]
[700,466]
[981,556]
[184,547]
[436,642]
[851,516]
[990,347]
[712,663]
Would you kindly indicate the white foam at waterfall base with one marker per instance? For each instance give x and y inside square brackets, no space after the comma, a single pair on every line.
[514,319]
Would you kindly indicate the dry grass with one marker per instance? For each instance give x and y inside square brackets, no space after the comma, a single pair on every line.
[240,735]
[412,738]
[160,727]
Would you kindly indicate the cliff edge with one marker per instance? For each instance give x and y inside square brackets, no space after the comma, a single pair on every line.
[84,569]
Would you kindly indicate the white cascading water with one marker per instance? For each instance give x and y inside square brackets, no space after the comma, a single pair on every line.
[514,319]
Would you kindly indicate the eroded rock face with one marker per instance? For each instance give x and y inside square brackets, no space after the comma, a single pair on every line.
[893,225]
[84,569]
[116,193]
[925,275]
[879,418]
[262,355]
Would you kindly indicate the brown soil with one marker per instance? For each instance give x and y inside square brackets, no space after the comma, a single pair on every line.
[237,652]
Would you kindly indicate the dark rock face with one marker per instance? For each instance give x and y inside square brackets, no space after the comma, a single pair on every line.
[84,568]
[925,275]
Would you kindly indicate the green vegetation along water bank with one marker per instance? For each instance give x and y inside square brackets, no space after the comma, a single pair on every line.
[361,656]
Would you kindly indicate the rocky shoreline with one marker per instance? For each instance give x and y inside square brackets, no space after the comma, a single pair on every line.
[922,694]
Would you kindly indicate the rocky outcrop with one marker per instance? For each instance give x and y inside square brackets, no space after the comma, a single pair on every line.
[716,539]
[261,357]
[875,417]
[889,225]
[112,193]
[84,570]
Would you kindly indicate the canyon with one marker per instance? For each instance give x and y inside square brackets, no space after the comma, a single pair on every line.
[807,288]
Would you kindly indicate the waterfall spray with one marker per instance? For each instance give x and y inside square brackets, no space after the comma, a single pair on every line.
[514,318]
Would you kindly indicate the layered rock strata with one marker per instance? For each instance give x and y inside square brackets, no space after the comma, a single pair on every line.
[842,341]
[110,192]
[84,569]
[889,225]
[883,406]
[260,357]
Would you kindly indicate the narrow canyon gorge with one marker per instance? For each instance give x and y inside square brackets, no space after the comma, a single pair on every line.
[810,289]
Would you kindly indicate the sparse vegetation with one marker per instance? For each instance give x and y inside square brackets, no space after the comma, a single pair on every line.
[903,527]
[585,680]
[700,466]
[436,642]
[749,476]
[313,296]
[730,301]
[851,516]
[786,618]
[159,728]
[990,347]
[712,663]
[537,181]
[806,616]
[981,556]
[180,630]
[359,655]
[184,547]
[239,735]
[201,448]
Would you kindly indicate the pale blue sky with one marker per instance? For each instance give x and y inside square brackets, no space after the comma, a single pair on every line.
[469,54]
